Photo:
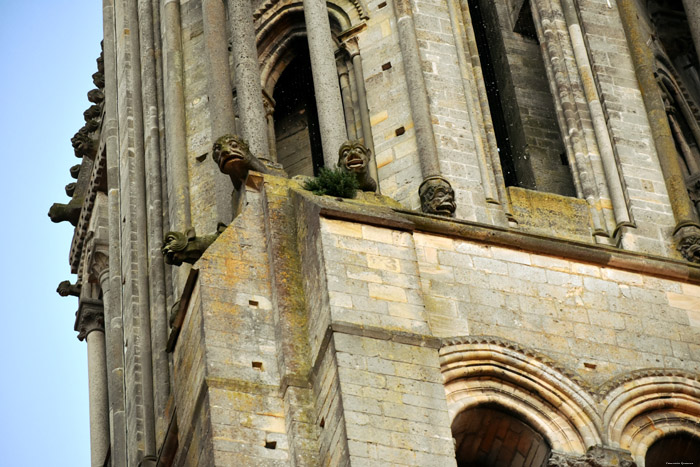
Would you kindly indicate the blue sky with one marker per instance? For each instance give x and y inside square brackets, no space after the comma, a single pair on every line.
[47,54]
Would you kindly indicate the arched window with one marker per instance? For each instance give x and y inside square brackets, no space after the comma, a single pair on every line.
[287,78]
[488,436]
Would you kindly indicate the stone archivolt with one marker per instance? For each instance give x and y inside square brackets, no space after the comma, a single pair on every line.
[477,373]
[649,405]
[627,413]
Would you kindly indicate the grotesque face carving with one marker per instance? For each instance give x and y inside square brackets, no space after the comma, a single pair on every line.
[83,144]
[437,197]
[174,244]
[231,153]
[354,157]
[187,247]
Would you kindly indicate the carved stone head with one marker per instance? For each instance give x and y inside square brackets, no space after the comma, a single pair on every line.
[65,289]
[231,153]
[174,246]
[59,212]
[689,247]
[355,157]
[83,144]
[437,197]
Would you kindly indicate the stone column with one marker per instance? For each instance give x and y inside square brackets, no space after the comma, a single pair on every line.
[325,75]
[364,113]
[178,189]
[269,104]
[114,361]
[434,184]
[687,229]
[252,121]
[221,110]
[90,326]
[607,154]
[692,13]
[346,95]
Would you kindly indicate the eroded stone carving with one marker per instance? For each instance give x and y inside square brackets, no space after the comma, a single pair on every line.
[437,196]
[234,158]
[354,157]
[98,79]
[84,145]
[65,289]
[179,247]
[96,96]
[70,189]
[75,171]
[597,456]
[689,247]
[65,212]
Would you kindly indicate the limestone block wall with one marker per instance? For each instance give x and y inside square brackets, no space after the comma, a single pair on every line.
[226,374]
[581,315]
[369,340]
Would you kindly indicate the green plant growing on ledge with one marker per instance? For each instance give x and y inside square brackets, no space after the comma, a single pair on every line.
[333,182]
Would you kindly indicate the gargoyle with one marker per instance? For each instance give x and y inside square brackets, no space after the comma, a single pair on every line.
[234,158]
[689,247]
[84,144]
[186,247]
[437,196]
[354,157]
[65,288]
[66,212]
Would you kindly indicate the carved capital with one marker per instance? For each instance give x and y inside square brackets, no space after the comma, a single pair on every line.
[597,456]
[89,317]
[437,196]
[100,264]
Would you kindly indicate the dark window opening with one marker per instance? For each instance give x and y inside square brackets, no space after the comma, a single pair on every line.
[488,436]
[677,449]
[500,127]
[521,103]
[297,134]
[525,24]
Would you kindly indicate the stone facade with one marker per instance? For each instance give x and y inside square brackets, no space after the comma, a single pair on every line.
[522,289]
